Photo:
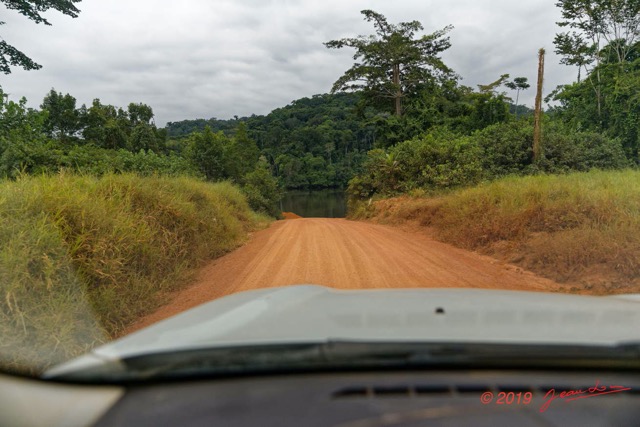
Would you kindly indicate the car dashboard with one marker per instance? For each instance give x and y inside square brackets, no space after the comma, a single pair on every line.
[353,399]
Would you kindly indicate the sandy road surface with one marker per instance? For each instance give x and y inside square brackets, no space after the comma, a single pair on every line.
[348,255]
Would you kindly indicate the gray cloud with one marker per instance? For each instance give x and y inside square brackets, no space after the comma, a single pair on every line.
[202,58]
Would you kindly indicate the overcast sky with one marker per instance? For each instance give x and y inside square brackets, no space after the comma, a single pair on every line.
[220,58]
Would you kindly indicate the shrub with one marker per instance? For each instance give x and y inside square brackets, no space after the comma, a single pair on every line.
[263,191]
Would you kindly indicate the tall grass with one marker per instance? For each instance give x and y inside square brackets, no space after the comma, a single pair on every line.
[83,257]
[581,228]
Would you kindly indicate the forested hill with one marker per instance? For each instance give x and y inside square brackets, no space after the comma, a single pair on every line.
[311,143]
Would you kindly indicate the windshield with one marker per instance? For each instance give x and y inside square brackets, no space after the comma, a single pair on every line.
[225,186]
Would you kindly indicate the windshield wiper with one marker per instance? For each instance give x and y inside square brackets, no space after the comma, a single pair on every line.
[345,355]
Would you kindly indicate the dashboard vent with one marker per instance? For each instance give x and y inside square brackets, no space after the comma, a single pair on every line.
[393,391]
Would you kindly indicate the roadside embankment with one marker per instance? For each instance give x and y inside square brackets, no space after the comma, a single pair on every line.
[579,229]
[81,257]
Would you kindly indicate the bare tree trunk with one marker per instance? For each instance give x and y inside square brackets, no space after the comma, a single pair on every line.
[398,95]
[537,126]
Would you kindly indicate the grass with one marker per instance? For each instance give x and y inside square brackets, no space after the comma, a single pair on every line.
[81,258]
[582,229]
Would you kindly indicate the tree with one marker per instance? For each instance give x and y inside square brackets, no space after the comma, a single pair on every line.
[393,64]
[600,29]
[63,119]
[263,190]
[207,153]
[491,87]
[140,114]
[105,125]
[489,105]
[518,84]
[143,137]
[32,9]
[617,109]
[246,148]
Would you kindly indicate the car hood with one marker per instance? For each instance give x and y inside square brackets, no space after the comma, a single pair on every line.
[308,314]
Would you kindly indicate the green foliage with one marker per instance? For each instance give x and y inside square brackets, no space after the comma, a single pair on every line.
[32,9]
[393,64]
[507,148]
[81,256]
[606,101]
[518,84]
[105,125]
[23,145]
[488,109]
[207,152]
[443,160]
[263,191]
[565,150]
[63,119]
[312,143]
[437,160]
[240,154]
[614,23]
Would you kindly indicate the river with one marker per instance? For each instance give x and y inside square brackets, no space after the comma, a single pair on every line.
[329,203]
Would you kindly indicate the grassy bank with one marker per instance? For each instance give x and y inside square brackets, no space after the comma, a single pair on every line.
[82,257]
[582,229]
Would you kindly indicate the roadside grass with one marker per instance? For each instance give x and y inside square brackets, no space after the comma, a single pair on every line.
[81,257]
[582,229]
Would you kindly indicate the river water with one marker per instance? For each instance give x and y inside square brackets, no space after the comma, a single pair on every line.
[330,203]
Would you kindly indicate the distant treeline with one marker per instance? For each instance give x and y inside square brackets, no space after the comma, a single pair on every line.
[104,139]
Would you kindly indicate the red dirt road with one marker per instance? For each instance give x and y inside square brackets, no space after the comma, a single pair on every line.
[348,255]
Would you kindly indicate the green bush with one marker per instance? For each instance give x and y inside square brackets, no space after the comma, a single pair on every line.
[507,148]
[263,191]
[439,160]
[36,157]
[565,150]
[444,160]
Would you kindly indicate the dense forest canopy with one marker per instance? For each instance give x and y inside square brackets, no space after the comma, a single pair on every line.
[397,120]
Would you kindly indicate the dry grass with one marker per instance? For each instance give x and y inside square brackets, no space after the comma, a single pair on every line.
[82,257]
[582,229]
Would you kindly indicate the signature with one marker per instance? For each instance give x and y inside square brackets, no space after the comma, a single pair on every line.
[571,395]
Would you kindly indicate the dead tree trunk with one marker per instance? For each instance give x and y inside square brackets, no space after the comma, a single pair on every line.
[537,126]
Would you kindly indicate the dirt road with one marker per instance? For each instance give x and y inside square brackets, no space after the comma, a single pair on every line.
[348,255]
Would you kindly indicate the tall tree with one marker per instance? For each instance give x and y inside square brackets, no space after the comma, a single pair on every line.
[518,84]
[393,63]
[32,9]
[537,124]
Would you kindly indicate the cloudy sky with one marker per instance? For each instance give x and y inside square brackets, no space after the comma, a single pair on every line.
[220,58]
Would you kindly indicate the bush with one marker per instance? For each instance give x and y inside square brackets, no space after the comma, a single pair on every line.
[263,191]
[507,148]
[439,160]
[444,160]
[36,157]
[565,150]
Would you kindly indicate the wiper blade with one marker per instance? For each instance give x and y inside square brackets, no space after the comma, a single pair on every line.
[332,355]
